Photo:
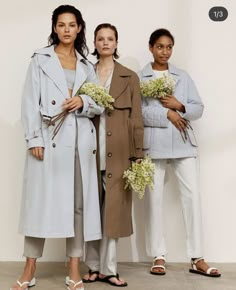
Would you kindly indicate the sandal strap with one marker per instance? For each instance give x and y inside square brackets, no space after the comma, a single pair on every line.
[23,283]
[75,283]
[159,258]
[91,272]
[158,266]
[210,269]
[195,261]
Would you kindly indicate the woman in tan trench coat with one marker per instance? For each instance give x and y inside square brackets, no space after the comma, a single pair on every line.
[120,139]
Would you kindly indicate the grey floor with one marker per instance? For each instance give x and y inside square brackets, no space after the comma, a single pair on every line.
[51,276]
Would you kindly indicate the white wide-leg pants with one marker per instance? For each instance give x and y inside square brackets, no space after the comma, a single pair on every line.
[187,172]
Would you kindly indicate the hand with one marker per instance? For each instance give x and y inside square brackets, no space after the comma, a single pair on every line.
[170,102]
[179,122]
[73,104]
[37,152]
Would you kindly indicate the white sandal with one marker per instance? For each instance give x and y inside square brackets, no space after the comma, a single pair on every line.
[208,273]
[29,283]
[75,284]
[154,266]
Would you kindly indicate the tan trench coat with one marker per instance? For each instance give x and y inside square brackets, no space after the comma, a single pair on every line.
[124,140]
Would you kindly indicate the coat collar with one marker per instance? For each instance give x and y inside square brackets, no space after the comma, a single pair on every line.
[52,67]
[120,80]
[147,71]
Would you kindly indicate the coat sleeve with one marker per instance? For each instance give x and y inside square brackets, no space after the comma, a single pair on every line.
[194,106]
[136,117]
[90,107]
[30,108]
[154,115]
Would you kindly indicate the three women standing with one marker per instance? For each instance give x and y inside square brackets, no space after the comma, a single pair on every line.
[60,196]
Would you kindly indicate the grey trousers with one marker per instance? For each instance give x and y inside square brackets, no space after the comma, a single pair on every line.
[33,247]
[101,254]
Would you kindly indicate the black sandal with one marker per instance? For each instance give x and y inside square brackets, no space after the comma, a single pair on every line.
[91,272]
[106,280]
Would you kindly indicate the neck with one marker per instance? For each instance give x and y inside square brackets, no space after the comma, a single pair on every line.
[106,62]
[67,50]
[158,66]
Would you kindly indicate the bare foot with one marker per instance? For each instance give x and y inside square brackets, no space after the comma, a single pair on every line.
[112,279]
[27,276]
[74,274]
[203,266]
[91,276]
[158,267]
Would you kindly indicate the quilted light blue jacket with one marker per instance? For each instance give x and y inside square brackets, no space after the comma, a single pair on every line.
[161,138]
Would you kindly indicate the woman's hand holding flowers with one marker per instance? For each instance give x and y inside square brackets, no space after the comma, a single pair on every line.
[171,102]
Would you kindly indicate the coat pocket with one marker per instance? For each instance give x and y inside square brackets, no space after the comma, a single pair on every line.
[147,138]
[124,100]
[192,137]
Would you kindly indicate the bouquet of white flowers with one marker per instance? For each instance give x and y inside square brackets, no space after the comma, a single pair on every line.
[158,88]
[140,175]
[97,93]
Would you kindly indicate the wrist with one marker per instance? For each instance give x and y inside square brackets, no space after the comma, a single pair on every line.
[181,108]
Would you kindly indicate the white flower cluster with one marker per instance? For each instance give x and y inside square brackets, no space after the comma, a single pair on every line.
[158,88]
[98,94]
[140,175]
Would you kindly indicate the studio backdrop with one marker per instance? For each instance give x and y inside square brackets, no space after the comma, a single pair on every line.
[204,47]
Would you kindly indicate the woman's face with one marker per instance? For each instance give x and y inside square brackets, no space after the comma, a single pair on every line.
[67,28]
[105,42]
[162,50]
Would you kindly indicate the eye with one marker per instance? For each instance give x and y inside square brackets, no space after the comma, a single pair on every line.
[170,47]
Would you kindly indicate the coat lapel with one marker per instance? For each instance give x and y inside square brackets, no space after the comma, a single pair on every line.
[53,69]
[120,80]
[80,74]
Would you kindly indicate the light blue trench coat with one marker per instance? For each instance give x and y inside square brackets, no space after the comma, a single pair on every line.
[161,138]
[48,190]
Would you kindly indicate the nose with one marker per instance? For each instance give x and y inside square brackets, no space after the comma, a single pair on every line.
[164,51]
[67,28]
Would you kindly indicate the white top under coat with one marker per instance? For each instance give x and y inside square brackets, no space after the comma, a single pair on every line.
[102,127]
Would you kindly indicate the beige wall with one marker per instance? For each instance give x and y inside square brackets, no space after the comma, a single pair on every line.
[206,49]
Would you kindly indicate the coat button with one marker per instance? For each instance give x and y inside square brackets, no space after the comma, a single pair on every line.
[109,154]
[94,151]
[109,113]
[53,145]
[53,102]
[109,175]
[109,133]
[91,130]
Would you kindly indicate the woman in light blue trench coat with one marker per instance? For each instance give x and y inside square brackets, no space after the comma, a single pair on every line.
[60,193]
[169,138]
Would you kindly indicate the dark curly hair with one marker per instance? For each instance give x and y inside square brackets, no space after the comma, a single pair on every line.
[159,33]
[99,27]
[80,41]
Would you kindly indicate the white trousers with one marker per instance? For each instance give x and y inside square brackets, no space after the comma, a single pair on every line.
[101,255]
[187,172]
